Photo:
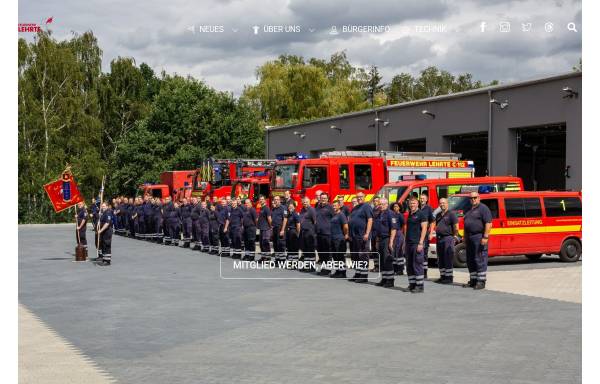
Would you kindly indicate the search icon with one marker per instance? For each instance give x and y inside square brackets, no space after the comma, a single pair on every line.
[571,27]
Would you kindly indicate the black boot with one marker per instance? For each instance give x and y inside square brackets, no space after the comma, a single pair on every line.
[470,284]
[417,289]
[479,285]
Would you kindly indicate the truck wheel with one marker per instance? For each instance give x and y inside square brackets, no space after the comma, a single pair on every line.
[535,257]
[570,251]
[460,256]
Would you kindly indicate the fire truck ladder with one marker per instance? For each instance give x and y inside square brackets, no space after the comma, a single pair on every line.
[395,155]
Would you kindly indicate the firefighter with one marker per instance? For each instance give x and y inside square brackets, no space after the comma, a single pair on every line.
[324,214]
[186,222]
[373,246]
[477,223]
[361,223]
[318,197]
[169,217]
[279,221]
[287,198]
[223,215]
[158,221]
[81,218]
[292,228]
[398,251]
[94,213]
[116,203]
[308,221]
[345,210]
[176,224]
[249,220]
[416,230]
[385,227]
[213,227]
[233,225]
[446,232]
[265,224]
[148,218]
[130,215]
[339,236]
[139,218]
[428,211]
[195,215]
[204,224]
[105,232]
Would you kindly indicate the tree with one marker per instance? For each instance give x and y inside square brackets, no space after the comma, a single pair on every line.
[188,122]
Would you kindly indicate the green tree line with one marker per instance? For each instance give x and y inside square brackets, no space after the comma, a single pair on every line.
[130,124]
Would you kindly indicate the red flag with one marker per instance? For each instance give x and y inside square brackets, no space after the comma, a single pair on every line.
[49,20]
[63,193]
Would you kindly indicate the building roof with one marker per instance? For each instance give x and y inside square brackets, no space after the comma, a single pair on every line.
[432,99]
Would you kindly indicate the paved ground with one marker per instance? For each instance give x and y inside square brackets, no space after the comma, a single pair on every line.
[163,315]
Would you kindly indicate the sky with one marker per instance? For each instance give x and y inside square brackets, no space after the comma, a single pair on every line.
[446,33]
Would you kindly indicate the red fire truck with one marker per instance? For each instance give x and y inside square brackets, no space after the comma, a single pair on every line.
[347,172]
[527,223]
[216,177]
[176,184]
[253,186]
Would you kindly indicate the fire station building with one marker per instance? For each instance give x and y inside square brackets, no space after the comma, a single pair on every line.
[530,129]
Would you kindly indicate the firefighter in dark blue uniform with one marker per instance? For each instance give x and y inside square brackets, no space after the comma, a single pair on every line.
[233,225]
[265,228]
[292,230]
[398,251]
[345,210]
[186,222]
[204,224]
[105,234]
[416,230]
[361,223]
[130,215]
[308,221]
[384,231]
[196,233]
[223,215]
[428,211]
[94,213]
[477,226]
[82,219]
[324,214]
[279,221]
[138,219]
[148,218]
[249,223]
[446,232]
[158,221]
[339,236]
[213,226]
[170,221]
[373,242]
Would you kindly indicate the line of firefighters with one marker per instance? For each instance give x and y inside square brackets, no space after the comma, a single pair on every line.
[228,227]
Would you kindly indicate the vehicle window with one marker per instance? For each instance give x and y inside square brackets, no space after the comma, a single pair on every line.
[344,176]
[514,208]
[392,194]
[156,193]
[562,206]
[416,192]
[459,204]
[492,204]
[284,175]
[447,190]
[313,176]
[263,189]
[362,176]
[533,207]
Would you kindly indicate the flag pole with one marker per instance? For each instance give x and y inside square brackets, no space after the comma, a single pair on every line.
[98,223]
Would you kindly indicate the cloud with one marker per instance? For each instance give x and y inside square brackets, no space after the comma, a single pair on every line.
[156,32]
